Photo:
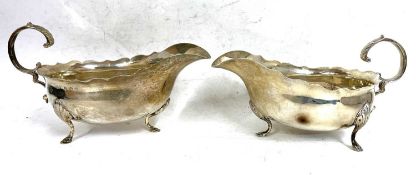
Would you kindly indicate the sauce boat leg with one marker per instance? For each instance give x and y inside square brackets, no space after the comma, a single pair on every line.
[147,119]
[360,120]
[66,117]
[264,118]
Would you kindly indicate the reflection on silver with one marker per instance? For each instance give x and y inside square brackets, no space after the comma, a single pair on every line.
[320,99]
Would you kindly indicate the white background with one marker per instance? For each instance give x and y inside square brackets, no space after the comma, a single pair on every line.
[208,128]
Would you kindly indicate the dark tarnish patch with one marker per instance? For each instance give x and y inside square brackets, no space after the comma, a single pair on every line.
[58,93]
[303,119]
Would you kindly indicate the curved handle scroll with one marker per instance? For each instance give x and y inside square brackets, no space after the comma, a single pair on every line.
[403,60]
[12,54]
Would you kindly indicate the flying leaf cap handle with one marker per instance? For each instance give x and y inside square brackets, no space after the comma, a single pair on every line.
[12,54]
[403,60]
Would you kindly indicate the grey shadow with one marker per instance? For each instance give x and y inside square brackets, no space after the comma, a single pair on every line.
[57,128]
[220,98]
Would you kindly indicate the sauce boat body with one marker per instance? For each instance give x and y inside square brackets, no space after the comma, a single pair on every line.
[316,99]
[117,91]
[109,91]
[319,99]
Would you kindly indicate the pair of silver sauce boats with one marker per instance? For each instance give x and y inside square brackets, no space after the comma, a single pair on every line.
[317,99]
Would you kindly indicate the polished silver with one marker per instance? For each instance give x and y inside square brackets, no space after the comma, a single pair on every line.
[109,91]
[317,99]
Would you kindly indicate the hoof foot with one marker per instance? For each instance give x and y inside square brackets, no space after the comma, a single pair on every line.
[66,140]
[154,129]
[262,134]
[357,148]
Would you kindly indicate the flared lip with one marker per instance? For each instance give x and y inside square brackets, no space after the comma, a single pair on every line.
[371,76]
[137,62]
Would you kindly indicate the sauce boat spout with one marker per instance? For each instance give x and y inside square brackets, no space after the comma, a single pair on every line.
[170,62]
[254,70]
[180,55]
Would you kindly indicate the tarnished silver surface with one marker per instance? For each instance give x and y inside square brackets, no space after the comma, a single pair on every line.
[110,91]
[319,99]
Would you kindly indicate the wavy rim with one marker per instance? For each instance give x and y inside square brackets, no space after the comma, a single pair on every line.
[270,64]
[186,49]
